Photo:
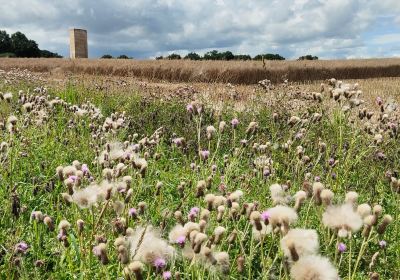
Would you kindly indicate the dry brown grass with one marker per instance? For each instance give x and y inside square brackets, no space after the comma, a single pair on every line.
[235,72]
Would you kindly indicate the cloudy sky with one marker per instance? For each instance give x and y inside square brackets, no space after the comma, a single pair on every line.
[148,28]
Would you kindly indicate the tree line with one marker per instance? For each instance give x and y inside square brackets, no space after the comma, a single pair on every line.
[18,45]
[228,55]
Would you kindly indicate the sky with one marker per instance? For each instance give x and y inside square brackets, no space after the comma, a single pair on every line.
[329,29]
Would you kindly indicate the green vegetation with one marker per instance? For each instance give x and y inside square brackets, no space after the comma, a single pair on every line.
[308,57]
[148,164]
[18,45]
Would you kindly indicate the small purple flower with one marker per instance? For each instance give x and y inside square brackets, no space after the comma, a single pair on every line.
[234,123]
[331,161]
[222,187]
[382,244]
[342,247]
[160,263]
[96,251]
[213,168]
[333,175]
[380,156]
[195,210]
[177,141]
[189,108]
[317,179]
[73,178]
[379,101]
[192,216]
[21,247]
[85,169]
[167,275]
[132,212]
[298,136]
[60,235]
[265,216]
[181,240]
[204,154]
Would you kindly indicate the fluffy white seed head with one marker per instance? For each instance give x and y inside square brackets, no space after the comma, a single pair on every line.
[313,267]
[304,241]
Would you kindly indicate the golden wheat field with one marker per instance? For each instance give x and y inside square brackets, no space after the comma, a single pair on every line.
[235,72]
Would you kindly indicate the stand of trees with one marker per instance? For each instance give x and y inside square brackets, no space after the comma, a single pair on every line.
[18,45]
[227,55]
[308,57]
[122,56]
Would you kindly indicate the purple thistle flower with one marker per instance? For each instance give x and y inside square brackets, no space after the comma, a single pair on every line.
[333,175]
[167,275]
[132,212]
[21,247]
[380,155]
[317,179]
[205,154]
[266,173]
[342,247]
[160,263]
[181,240]
[85,169]
[177,141]
[195,210]
[382,244]
[331,161]
[96,251]
[265,216]
[73,178]
[379,101]
[298,136]
[189,108]
[60,235]
[234,123]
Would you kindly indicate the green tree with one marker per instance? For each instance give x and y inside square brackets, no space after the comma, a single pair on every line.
[123,56]
[5,42]
[174,56]
[107,56]
[228,55]
[192,56]
[269,56]
[242,57]
[308,57]
[23,47]
[49,54]
[212,55]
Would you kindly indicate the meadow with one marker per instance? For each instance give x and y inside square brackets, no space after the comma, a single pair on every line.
[103,180]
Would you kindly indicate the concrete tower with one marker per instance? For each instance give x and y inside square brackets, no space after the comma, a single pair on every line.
[78,47]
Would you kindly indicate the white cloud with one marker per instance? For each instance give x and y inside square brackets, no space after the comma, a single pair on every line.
[145,28]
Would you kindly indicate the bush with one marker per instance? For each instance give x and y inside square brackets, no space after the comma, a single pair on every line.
[107,56]
[173,56]
[242,57]
[123,56]
[192,56]
[308,57]
[49,54]
[7,54]
[268,56]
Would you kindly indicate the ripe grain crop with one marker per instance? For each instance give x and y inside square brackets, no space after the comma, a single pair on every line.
[234,72]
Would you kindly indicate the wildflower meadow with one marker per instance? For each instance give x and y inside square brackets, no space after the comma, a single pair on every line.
[97,184]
